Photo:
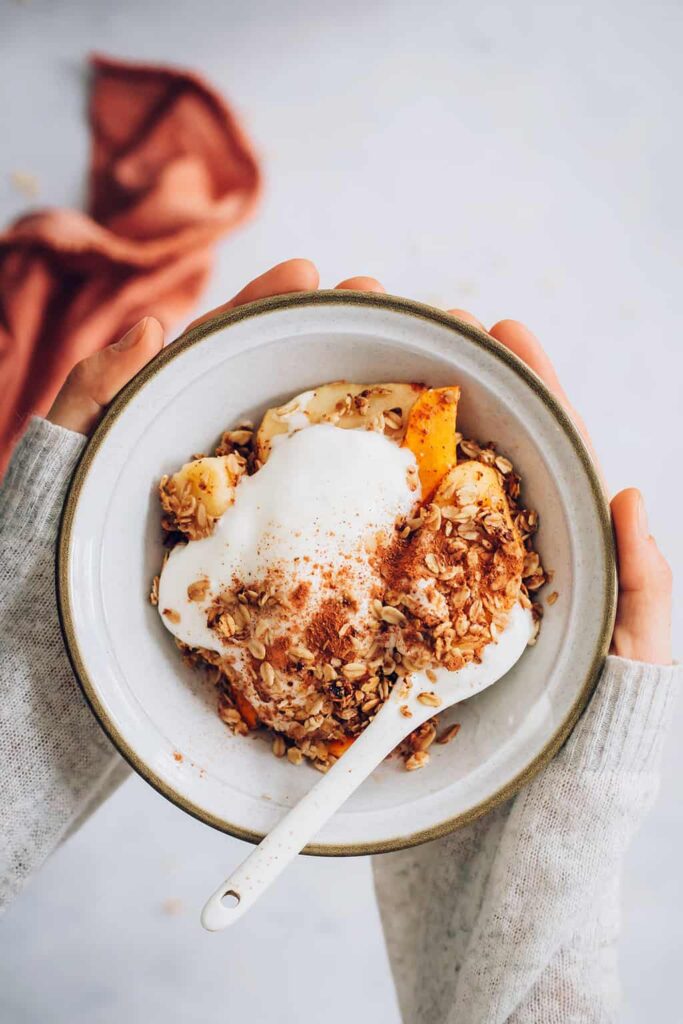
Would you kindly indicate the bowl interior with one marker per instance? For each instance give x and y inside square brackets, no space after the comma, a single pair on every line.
[162,714]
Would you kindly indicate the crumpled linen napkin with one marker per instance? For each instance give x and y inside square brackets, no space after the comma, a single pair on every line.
[171,172]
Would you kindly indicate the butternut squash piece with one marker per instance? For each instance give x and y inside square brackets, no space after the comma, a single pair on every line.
[430,435]
[337,747]
[246,709]
[210,481]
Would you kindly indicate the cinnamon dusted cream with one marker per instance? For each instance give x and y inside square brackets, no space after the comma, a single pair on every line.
[309,521]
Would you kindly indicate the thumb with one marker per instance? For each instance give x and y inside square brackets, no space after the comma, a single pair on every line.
[643,625]
[94,381]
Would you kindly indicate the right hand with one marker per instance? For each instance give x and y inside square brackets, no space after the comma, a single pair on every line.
[642,631]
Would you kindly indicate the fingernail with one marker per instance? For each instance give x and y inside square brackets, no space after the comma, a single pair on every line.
[643,528]
[132,336]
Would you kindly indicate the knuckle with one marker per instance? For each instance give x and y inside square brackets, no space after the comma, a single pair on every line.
[77,379]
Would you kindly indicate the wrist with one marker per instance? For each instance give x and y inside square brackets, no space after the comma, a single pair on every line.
[651,645]
[37,478]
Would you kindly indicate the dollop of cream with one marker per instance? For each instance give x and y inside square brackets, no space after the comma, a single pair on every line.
[318,504]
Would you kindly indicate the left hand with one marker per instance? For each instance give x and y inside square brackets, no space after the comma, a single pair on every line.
[94,382]
[642,631]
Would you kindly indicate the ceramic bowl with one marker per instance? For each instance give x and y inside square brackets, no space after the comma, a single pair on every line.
[162,715]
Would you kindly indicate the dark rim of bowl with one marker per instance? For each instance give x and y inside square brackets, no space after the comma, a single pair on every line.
[321,298]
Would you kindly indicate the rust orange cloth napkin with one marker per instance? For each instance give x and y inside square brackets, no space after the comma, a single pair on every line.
[171,171]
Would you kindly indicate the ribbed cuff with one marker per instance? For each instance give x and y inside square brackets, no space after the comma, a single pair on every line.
[33,491]
[624,726]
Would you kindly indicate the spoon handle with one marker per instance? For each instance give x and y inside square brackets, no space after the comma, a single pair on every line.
[385,731]
[244,886]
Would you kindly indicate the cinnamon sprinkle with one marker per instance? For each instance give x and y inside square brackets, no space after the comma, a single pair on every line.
[323,632]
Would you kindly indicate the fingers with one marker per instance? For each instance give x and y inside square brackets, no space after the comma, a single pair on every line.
[296,275]
[643,626]
[291,276]
[520,340]
[469,318]
[525,345]
[360,284]
[94,381]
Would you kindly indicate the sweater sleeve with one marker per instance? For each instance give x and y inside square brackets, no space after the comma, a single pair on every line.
[517,917]
[56,761]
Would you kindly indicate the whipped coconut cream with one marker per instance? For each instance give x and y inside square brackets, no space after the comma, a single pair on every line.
[318,503]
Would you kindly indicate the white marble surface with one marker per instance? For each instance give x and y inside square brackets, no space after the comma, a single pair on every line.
[517,159]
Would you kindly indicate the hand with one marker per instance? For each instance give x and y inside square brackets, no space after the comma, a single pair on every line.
[94,382]
[642,630]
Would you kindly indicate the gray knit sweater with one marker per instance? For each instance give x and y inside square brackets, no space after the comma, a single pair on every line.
[514,918]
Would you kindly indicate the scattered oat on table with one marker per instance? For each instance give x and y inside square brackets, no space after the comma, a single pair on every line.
[173,906]
[25,183]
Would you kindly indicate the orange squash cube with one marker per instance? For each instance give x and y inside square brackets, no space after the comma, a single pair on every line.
[246,709]
[430,435]
[337,747]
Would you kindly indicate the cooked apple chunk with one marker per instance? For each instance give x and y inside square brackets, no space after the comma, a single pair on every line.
[351,406]
[210,481]
[199,493]
[477,486]
[473,496]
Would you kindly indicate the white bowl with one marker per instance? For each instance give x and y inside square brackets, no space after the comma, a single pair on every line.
[161,715]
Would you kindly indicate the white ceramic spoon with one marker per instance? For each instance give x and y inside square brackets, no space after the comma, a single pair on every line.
[239,892]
